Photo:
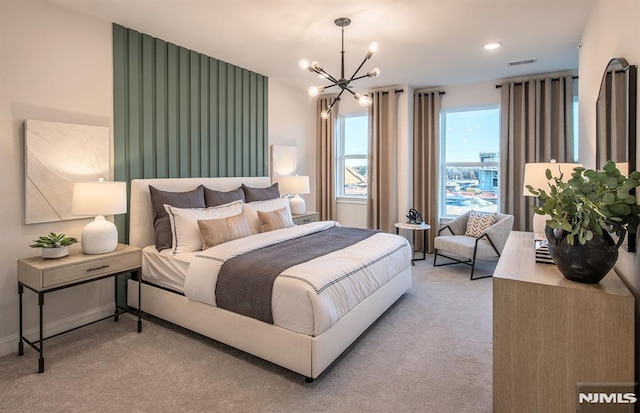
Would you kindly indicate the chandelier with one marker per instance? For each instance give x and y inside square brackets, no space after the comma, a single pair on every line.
[343,83]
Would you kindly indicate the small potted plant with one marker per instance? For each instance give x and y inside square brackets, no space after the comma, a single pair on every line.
[583,214]
[54,245]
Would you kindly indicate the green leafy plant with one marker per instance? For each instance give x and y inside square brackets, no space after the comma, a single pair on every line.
[591,202]
[53,241]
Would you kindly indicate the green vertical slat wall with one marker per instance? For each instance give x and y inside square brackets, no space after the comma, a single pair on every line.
[179,113]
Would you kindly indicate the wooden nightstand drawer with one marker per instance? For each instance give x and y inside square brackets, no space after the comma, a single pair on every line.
[42,274]
[88,270]
[306,218]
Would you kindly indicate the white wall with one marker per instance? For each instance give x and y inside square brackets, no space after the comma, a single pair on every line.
[56,64]
[474,94]
[611,31]
[292,123]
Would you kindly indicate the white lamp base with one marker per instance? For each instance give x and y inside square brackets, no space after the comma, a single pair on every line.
[99,236]
[297,205]
[539,222]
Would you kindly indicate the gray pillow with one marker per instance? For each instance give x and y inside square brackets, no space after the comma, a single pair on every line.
[161,224]
[214,198]
[260,194]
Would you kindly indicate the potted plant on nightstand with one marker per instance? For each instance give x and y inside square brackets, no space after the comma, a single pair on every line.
[54,245]
[584,213]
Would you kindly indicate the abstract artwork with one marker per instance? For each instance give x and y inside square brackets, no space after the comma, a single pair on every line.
[56,156]
[283,161]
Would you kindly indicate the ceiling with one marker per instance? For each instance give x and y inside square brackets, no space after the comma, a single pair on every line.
[422,43]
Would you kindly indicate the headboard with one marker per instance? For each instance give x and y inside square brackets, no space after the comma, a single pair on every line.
[141,216]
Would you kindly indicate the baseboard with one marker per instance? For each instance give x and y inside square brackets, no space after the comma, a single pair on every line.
[9,344]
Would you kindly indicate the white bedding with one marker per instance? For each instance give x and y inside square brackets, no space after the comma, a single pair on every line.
[165,268]
[310,297]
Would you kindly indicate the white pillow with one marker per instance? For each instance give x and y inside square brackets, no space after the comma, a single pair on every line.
[251,209]
[185,232]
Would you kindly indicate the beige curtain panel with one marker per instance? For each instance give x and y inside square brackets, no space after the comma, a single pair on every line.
[536,118]
[426,155]
[326,162]
[382,178]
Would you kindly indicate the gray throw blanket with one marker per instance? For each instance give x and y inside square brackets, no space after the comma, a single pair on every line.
[245,282]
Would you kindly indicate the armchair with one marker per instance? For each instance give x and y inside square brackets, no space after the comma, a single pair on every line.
[465,249]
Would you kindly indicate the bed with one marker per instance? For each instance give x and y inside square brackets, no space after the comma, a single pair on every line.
[307,348]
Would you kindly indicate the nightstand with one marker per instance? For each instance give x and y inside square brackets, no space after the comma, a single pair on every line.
[306,218]
[43,276]
[413,228]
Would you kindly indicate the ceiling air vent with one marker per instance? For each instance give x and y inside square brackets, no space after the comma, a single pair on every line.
[521,62]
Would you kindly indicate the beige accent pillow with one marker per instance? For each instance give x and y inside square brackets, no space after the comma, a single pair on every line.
[280,218]
[218,231]
[251,211]
[184,227]
[478,222]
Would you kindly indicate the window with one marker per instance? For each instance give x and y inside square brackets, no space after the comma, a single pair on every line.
[352,153]
[471,160]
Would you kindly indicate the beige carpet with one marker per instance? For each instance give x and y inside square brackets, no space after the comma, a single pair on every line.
[431,352]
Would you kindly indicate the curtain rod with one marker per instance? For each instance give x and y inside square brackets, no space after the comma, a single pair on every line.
[402,90]
[555,79]
[442,92]
[397,91]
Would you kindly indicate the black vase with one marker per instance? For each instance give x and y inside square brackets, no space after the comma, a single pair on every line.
[587,263]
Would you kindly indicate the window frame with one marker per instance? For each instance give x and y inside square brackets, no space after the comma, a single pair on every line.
[341,159]
[442,202]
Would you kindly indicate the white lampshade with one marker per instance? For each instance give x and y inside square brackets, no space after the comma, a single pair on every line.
[99,198]
[535,174]
[293,185]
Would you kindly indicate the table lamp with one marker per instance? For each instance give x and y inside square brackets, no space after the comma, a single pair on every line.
[99,198]
[535,174]
[295,185]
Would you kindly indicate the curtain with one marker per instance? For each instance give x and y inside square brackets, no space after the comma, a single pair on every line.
[382,177]
[536,117]
[426,160]
[326,163]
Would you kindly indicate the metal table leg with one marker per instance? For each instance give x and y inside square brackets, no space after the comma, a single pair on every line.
[115,299]
[41,342]
[20,342]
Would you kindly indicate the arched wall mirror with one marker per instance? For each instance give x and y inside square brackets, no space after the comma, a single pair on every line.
[616,120]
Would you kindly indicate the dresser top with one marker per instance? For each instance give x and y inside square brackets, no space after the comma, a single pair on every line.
[518,263]
[76,256]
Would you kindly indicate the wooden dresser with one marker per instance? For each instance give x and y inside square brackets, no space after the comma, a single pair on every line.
[550,333]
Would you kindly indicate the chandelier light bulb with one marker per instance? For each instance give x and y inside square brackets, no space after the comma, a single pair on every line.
[375,72]
[315,65]
[324,114]
[365,100]
[314,90]
[304,64]
[373,47]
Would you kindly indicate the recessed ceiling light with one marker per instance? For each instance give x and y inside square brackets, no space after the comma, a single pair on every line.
[492,46]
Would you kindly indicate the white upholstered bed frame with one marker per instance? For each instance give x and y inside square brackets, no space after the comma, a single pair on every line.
[303,354]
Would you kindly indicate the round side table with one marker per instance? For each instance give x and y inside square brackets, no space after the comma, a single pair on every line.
[413,228]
